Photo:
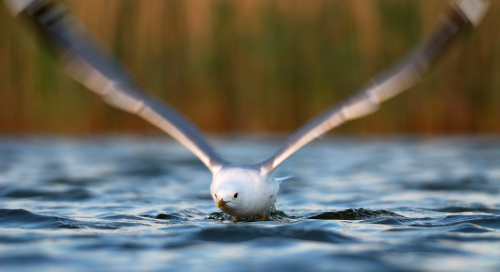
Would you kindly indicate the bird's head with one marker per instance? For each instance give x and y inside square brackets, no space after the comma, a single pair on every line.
[229,197]
[233,190]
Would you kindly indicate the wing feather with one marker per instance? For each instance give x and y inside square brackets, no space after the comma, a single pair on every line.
[398,78]
[87,62]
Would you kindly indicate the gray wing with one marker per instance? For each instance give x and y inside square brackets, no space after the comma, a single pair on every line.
[91,65]
[399,77]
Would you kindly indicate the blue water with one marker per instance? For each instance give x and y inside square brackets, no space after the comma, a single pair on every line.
[142,203]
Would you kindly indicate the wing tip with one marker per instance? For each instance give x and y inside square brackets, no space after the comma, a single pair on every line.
[474,10]
[17,6]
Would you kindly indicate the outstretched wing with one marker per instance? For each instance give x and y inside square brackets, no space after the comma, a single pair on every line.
[91,65]
[399,77]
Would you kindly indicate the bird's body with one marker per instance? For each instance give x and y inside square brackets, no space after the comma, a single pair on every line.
[238,190]
[242,191]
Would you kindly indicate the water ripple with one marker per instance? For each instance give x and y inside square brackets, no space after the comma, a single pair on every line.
[354,204]
[23,219]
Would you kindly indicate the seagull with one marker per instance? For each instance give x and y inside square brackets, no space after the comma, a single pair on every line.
[239,190]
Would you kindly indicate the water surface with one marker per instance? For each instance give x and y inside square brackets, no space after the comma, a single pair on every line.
[143,203]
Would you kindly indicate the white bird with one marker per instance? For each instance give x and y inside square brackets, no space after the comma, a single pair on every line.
[238,190]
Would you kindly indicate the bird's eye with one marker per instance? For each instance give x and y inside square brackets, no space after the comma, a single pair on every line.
[236,195]
[215,195]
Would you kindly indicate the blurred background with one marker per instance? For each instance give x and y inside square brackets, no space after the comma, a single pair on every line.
[255,66]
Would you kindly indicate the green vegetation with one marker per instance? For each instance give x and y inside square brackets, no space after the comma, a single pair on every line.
[263,66]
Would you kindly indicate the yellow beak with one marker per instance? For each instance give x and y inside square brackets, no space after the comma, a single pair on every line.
[221,203]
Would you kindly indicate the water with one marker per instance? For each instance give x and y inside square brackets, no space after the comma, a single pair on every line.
[142,203]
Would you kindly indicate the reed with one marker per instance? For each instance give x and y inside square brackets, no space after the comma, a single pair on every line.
[255,65]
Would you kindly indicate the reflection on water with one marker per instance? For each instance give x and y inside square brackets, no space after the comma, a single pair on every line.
[352,204]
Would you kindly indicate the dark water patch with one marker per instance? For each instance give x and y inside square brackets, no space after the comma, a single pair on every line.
[244,232]
[70,195]
[119,243]
[389,221]
[22,192]
[25,259]
[348,214]
[164,216]
[489,221]
[451,223]
[220,216]
[422,245]
[461,237]
[355,214]
[19,239]
[478,183]
[467,209]
[180,244]
[23,219]
[114,224]
[75,194]
[277,215]
[272,216]
[176,216]
[468,228]
[112,216]
[83,181]
[464,228]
